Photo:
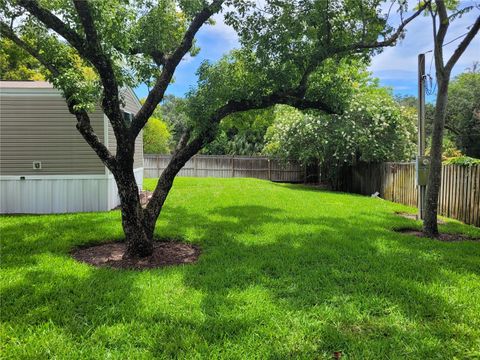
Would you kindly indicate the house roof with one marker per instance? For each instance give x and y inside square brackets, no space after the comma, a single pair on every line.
[25,85]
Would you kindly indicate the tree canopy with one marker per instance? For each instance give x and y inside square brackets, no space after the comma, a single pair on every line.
[242,133]
[16,63]
[463,112]
[173,110]
[373,128]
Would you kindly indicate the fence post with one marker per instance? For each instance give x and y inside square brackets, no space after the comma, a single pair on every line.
[195,166]
[269,170]
[394,187]
[233,166]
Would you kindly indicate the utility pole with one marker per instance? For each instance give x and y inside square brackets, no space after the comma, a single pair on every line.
[422,163]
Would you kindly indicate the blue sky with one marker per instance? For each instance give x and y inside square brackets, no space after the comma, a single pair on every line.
[395,67]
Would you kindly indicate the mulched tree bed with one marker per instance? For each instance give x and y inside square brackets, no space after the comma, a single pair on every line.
[441,237]
[164,254]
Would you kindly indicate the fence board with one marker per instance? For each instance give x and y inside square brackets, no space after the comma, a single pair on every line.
[459,190]
[229,166]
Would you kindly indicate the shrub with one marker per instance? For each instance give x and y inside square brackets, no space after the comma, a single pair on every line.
[156,137]
[462,160]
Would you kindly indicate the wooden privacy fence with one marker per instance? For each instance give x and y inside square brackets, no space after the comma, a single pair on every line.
[228,167]
[459,191]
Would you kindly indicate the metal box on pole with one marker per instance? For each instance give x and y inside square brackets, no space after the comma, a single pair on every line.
[422,170]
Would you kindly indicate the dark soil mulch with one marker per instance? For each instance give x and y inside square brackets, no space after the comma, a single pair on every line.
[164,254]
[441,237]
[414,217]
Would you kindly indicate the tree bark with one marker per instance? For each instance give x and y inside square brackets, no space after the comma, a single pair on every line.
[139,223]
[139,241]
[430,226]
[443,72]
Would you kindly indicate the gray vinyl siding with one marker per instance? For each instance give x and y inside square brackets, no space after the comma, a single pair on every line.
[130,101]
[40,128]
[131,105]
[138,157]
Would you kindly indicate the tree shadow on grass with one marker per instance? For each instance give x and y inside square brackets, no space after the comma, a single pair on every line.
[262,288]
[313,188]
[25,237]
[374,287]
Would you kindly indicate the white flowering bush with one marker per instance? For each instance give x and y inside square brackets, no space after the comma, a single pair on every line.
[372,128]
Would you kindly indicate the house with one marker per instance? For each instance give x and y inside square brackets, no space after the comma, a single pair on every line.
[45,164]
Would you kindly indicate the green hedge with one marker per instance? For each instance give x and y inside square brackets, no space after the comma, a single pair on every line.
[462,160]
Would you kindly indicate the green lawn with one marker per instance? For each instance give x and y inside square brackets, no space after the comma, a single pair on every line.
[285,272]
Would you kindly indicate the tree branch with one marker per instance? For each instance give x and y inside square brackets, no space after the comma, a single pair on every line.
[96,55]
[53,22]
[388,42]
[90,50]
[291,99]
[433,15]
[183,141]
[158,57]
[463,45]
[170,64]
[452,129]
[85,128]
[84,12]
[444,21]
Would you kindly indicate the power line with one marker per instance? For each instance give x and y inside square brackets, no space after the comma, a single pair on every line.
[459,37]
[429,89]
[448,43]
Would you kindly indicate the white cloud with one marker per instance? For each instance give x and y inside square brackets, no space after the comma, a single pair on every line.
[221,30]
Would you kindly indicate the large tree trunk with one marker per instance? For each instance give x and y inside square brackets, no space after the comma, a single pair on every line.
[138,223]
[138,238]
[430,226]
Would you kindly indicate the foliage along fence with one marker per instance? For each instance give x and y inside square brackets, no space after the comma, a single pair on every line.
[459,191]
[229,167]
